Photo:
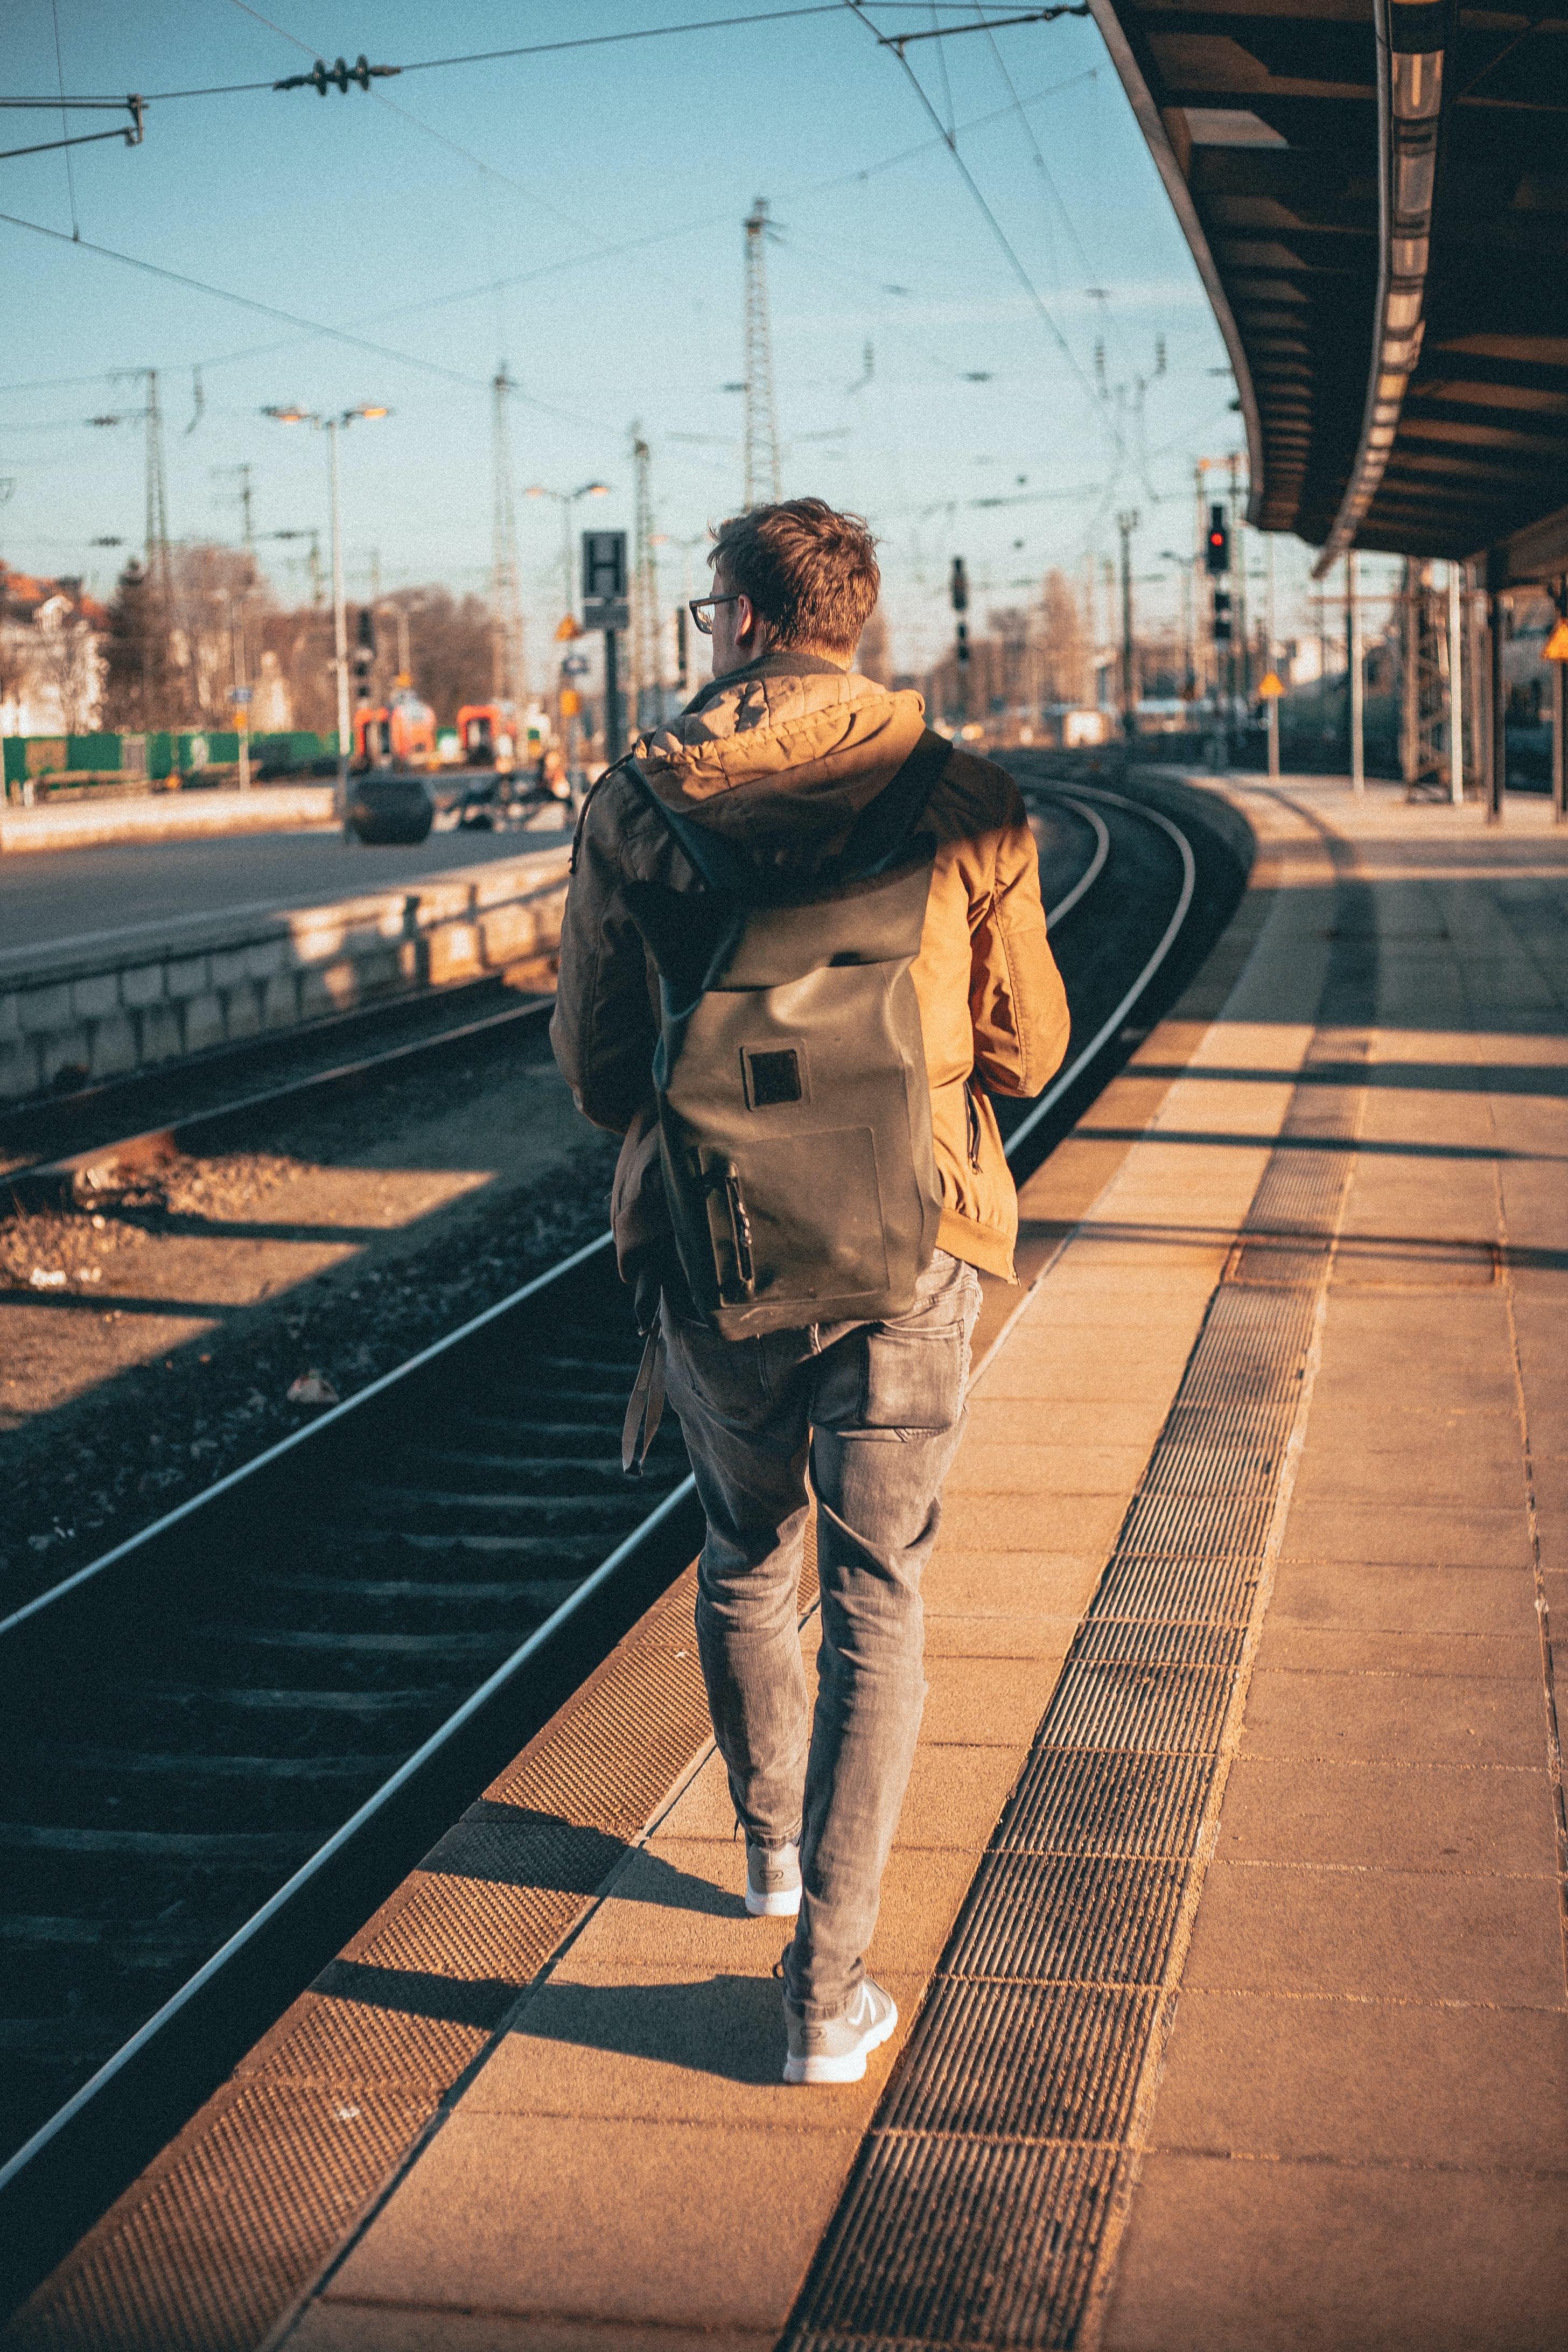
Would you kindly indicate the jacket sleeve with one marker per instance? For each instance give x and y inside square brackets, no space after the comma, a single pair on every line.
[603,1030]
[1017,1005]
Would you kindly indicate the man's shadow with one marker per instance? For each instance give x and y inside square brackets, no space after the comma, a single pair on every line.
[728,2026]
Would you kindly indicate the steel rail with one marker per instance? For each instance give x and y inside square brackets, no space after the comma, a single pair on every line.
[44,1181]
[1068,1077]
[426,1356]
[160,1527]
[1093,870]
[52,1178]
[186,2011]
[363,1818]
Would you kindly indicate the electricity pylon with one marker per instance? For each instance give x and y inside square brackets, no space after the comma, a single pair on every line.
[508,662]
[161,615]
[647,682]
[762,428]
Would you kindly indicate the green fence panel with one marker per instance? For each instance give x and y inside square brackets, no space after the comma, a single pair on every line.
[100,752]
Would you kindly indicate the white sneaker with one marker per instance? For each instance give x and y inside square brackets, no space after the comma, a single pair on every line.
[834,2050]
[773,1881]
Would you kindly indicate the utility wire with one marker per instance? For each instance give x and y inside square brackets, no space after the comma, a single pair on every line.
[538,49]
[856,9]
[924,146]
[443,139]
[307,326]
[473,292]
[65,127]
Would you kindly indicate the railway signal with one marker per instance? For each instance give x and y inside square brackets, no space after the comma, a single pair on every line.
[1217,547]
[365,652]
[605,608]
[960,595]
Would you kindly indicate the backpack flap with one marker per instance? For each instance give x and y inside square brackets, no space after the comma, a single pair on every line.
[795,1107]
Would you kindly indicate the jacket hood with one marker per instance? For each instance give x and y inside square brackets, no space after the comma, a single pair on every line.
[781,757]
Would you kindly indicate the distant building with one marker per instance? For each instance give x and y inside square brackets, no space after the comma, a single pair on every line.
[51,663]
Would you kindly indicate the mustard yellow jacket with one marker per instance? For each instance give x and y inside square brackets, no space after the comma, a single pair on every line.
[785,755]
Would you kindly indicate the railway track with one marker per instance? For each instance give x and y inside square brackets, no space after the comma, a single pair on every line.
[56,1180]
[229,1736]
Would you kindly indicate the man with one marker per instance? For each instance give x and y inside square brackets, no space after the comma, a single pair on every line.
[782,752]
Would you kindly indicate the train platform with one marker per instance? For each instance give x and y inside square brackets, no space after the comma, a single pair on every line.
[1225,1918]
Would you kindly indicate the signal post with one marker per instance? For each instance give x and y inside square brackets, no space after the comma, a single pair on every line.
[605,607]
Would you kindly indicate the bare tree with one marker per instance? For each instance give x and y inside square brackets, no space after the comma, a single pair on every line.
[1064,647]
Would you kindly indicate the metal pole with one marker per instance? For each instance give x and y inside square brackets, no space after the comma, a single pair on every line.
[1455,688]
[1238,560]
[240,680]
[1559,731]
[1358,679]
[1269,660]
[340,628]
[1497,733]
[1126,523]
[615,742]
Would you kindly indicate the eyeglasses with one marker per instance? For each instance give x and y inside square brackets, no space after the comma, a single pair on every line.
[702,611]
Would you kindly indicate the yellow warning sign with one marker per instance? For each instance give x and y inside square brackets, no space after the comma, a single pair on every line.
[1556,646]
[1272,688]
[567,629]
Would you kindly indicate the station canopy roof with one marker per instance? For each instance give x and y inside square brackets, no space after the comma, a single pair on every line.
[1375,192]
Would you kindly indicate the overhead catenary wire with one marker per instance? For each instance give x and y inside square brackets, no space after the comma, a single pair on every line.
[442,138]
[610,252]
[526,49]
[311,327]
[858,8]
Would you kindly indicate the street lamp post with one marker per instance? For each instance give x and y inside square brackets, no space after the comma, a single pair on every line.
[331,427]
[1126,523]
[566,500]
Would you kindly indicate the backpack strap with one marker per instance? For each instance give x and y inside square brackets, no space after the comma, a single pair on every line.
[645,1407]
[883,831]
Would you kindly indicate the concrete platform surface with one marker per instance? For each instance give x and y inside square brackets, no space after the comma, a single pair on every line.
[111,897]
[1355,2134]
[1343,2126]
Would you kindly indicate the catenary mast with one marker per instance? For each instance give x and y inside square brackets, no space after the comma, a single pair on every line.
[508,673]
[762,427]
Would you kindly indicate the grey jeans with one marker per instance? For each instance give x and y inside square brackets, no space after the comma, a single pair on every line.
[874,1409]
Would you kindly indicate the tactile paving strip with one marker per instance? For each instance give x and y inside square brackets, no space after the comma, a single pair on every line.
[977,2210]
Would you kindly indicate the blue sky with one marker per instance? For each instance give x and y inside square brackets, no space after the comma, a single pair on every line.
[581,215]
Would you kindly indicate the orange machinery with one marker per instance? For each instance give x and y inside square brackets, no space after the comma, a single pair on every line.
[489,735]
[398,734]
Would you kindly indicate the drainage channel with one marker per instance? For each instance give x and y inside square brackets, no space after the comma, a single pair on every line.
[985,2205]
